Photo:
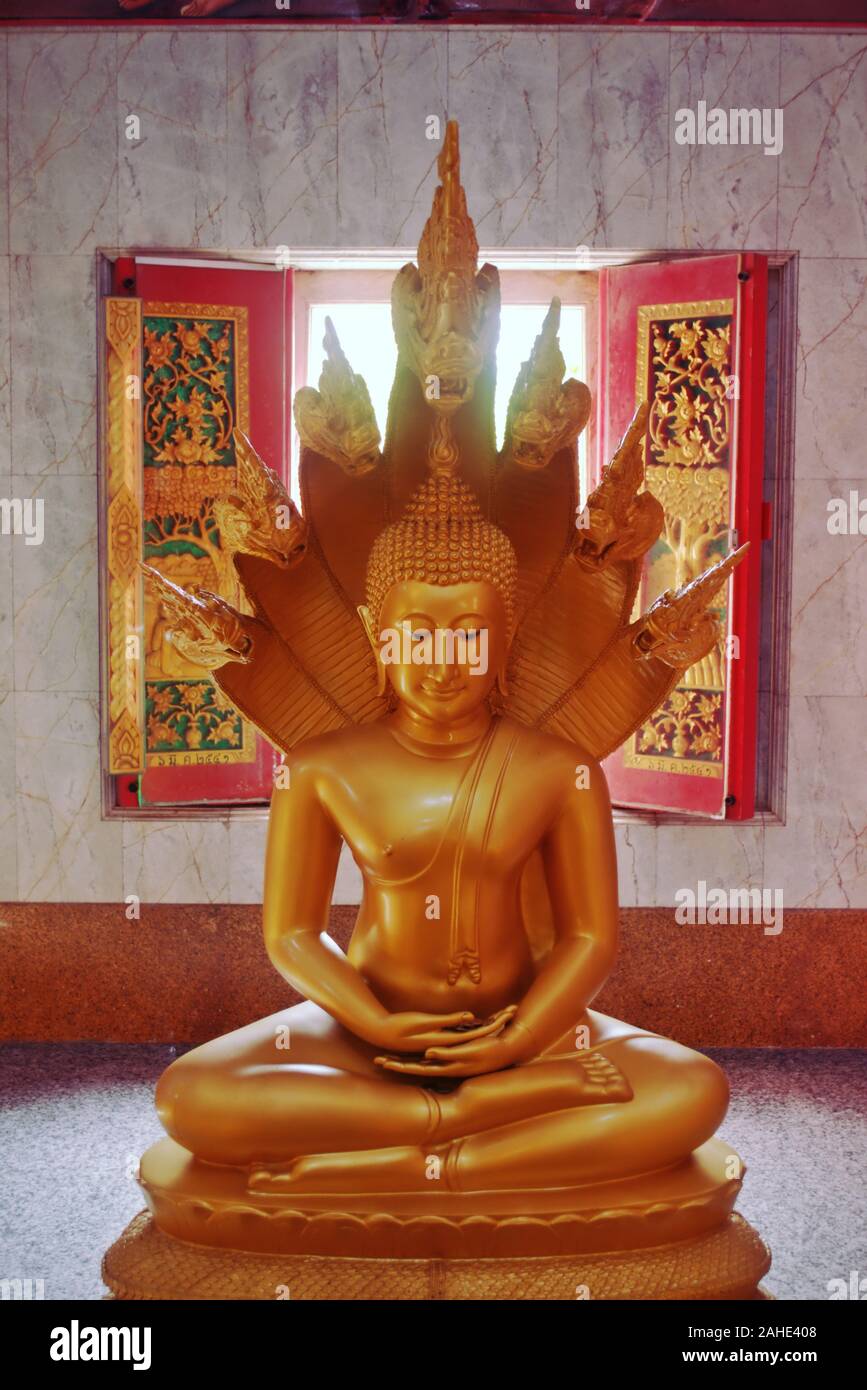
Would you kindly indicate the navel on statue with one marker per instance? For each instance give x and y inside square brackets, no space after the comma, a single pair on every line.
[445,1100]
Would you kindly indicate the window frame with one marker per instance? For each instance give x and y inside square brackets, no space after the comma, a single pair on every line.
[572,275]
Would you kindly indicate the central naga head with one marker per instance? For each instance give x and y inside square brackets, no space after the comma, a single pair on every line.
[446,316]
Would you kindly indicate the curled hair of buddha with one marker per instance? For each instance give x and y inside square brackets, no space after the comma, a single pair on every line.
[442,538]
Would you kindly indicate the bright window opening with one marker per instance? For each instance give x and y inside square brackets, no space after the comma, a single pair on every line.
[367,338]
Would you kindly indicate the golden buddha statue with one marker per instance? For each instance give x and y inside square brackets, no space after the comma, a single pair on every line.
[446,1093]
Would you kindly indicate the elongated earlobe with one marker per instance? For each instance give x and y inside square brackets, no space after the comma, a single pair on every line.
[497,697]
[381,678]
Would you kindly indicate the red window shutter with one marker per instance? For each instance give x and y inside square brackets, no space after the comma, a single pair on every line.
[216,353]
[690,335]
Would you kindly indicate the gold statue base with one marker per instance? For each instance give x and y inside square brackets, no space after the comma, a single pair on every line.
[724,1265]
[666,1235]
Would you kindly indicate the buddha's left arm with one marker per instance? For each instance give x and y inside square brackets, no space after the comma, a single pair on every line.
[580,863]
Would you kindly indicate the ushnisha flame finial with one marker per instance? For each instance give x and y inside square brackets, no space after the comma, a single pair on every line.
[445,313]
[443,453]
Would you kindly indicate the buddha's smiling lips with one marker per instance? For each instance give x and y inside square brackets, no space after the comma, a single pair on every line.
[440,694]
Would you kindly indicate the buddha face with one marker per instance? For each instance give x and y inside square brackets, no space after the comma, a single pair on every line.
[442,646]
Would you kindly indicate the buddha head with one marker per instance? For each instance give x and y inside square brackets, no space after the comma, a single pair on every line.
[440,603]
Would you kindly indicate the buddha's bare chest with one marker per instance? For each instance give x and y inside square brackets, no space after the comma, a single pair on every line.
[418,819]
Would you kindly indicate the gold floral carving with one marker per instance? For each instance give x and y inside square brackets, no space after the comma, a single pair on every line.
[195,397]
[690,418]
[696,506]
[160,349]
[175,488]
[689,720]
[124,744]
[185,717]
[124,533]
[123,466]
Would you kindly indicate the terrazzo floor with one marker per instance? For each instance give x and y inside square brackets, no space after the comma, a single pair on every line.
[75,1117]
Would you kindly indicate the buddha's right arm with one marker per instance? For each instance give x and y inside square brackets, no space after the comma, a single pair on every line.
[300,869]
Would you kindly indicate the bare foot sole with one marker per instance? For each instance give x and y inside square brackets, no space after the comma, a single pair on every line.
[370,1170]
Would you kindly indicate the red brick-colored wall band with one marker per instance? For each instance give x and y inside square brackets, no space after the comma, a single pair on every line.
[186,973]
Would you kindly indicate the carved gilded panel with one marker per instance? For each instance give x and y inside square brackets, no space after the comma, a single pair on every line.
[195,392]
[123,534]
[684,367]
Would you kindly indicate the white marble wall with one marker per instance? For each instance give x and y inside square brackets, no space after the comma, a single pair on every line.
[254,138]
